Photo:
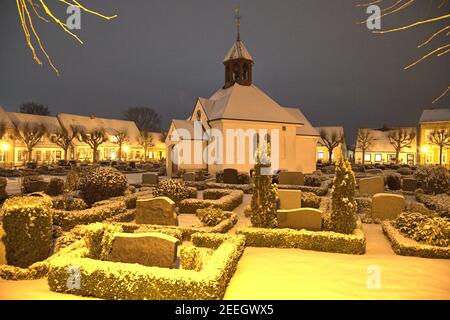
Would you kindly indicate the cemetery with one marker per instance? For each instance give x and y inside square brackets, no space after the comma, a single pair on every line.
[95,234]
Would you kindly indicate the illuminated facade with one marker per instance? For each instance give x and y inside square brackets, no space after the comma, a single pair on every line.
[14,152]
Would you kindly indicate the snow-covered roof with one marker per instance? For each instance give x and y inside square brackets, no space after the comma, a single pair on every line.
[247,103]
[306,129]
[51,123]
[432,115]
[4,118]
[381,139]
[238,51]
[90,123]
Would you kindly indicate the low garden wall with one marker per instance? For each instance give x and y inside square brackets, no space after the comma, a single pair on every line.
[327,241]
[113,280]
[409,247]
[226,200]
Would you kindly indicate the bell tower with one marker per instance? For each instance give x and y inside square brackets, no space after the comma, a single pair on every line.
[238,62]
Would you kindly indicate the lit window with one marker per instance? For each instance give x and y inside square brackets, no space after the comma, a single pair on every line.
[378,158]
[367,157]
[320,155]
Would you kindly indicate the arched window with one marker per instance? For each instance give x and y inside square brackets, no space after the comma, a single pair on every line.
[199,115]
[236,72]
[245,71]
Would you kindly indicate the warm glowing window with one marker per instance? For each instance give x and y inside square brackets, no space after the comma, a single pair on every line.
[378,158]
[320,155]
[367,157]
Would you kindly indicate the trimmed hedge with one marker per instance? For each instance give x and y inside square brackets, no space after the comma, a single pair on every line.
[182,233]
[408,247]
[246,188]
[229,200]
[112,280]
[439,203]
[69,219]
[191,258]
[328,241]
[27,222]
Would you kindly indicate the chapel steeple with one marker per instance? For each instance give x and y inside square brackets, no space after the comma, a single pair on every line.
[238,62]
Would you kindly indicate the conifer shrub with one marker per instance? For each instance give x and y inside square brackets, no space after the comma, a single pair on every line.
[27,222]
[55,187]
[264,199]
[102,183]
[343,204]
[75,179]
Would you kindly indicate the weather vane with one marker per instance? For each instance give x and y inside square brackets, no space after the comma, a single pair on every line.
[238,22]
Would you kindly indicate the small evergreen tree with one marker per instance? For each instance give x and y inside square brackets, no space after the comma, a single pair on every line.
[264,199]
[343,211]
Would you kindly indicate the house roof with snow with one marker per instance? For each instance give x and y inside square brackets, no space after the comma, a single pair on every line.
[238,51]
[4,118]
[51,123]
[435,115]
[381,139]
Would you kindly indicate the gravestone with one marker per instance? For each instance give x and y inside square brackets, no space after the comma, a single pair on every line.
[302,218]
[374,171]
[189,176]
[230,176]
[371,185]
[294,178]
[409,184]
[149,249]
[159,210]
[290,199]
[387,206]
[150,178]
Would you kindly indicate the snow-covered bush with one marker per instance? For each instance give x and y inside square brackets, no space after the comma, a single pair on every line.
[69,203]
[191,258]
[212,216]
[103,183]
[310,200]
[434,231]
[433,179]
[55,187]
[343,207]
[394,181]
[99,238]
[27,222]
[173,189]
[407,222]
[264,200]
[312,180]
[3,194]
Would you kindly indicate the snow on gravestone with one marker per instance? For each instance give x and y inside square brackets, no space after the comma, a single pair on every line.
[149,249]
[387,206]
[159,210]
[371,185]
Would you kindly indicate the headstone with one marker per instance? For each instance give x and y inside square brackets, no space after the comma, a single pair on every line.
[149,249]
[302,218]
[409,184]
[292,178]
[387,206]
[371,185]
[159,210]
[230,176]
[189,176]
[290,199]
[150,178]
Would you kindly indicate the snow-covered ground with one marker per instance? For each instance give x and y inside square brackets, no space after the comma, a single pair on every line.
[265,273]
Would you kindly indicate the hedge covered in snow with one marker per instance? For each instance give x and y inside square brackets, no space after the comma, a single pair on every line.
[320,191]
[69,219]
[408,247]
[246,188]
[328,241]
[226,200]
[113,280]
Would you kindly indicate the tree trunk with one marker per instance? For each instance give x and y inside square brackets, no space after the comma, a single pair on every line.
[363,157]
[397,155]
[119,153]
[94,155]
[30,151]
[330,155]
[65,153]
[440,155]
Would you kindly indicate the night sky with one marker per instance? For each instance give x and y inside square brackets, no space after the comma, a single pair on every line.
[163,54]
